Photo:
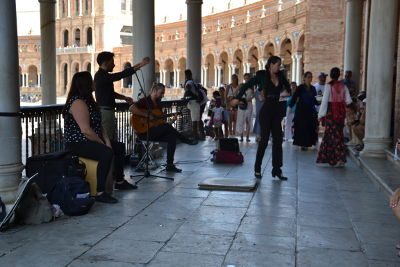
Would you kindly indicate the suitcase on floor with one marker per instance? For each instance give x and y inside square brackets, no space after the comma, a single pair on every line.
[229,144]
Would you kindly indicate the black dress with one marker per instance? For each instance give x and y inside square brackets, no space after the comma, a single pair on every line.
[305,120]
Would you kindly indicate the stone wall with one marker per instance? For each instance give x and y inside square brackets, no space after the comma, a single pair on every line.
[324,36]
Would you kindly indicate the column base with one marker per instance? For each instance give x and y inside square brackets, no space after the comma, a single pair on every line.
[375,147]
[10,176]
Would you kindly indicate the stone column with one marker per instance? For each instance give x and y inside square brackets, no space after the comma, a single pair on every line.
[194,37]
[293,70]
[202,76]
[299,68]
[205,77]
[215,76]
[10,122]
[382,39]
[352,44]
[143,41]
[93,11]
[219,70]
[177,78]
[230,68]
[260,64]
[80,7]
[68,8]
[48,48]
[58,10]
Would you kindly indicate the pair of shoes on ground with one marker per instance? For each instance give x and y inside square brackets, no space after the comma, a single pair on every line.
[172,168]
[106,198]
[274,173]
[125,185]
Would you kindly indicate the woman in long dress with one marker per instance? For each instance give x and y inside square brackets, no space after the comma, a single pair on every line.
[305,117]
[332,113]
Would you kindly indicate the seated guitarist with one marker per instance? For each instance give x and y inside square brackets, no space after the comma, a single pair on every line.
[163,132]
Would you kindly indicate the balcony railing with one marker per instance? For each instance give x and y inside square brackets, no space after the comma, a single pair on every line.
[75,49]
[43,126]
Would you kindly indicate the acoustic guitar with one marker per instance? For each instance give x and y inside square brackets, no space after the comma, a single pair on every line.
[139,123]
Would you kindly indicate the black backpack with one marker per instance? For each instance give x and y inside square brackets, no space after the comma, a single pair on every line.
[72,195]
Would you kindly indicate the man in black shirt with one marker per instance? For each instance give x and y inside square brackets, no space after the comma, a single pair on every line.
[104,88]
[105,98]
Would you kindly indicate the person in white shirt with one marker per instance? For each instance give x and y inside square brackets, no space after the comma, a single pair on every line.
[193,93]
[320,85]
[332,114]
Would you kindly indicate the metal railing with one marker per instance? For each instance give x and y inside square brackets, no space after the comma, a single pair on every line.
[43,126]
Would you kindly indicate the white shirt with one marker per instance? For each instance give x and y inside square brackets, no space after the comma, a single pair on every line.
[320,88]
[327,98]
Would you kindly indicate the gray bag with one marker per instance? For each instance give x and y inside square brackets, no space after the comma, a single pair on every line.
[34,208]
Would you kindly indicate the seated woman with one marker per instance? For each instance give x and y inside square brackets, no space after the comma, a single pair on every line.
[83,132]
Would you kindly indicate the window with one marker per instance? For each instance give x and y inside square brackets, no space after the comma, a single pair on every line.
[77,38]
[123,4]
[66,38]
[89,37]
[86,7]
[77,7]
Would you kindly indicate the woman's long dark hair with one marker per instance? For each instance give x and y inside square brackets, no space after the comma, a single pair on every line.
[81,86]
[334,74]
[281,75]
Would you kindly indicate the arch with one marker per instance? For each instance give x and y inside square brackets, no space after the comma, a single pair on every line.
[64,77]
[285,53]
[269,50]
[169,73]
[223,62]
[65,38]
[87,66]
[252,59]
[210,64]
[33,76]
[182,68]
[157,70]
[75,68]
[77,37]
[89,36]
[300,44]
[238,62]
[127,81]
[21,78]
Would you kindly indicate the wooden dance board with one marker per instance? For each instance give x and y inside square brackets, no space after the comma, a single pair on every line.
[230,184]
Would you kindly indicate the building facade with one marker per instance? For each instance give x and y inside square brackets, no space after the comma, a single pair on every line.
[309,35]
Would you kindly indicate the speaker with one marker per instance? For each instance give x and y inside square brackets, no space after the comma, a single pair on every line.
[229,144]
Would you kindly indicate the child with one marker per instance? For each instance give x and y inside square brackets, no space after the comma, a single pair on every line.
[217,118]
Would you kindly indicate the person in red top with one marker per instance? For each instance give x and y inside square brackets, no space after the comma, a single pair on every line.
[164,132]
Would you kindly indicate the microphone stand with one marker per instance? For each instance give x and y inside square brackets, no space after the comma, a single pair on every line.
[147,173]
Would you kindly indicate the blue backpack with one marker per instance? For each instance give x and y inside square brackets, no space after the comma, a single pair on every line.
[72,195]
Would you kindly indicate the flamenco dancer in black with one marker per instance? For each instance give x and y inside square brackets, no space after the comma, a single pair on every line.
[272,82]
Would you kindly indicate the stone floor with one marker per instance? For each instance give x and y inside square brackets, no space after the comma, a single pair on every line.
[319,217]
